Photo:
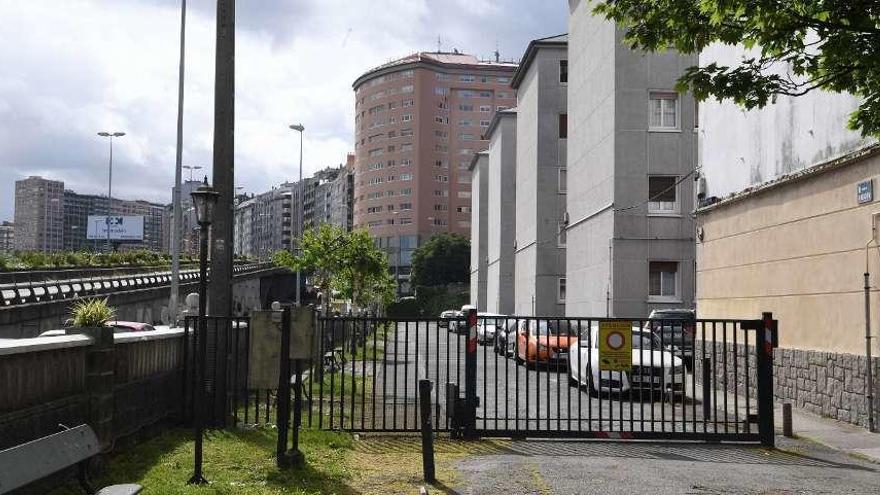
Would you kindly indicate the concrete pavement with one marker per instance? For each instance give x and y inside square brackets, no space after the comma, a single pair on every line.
[844,437]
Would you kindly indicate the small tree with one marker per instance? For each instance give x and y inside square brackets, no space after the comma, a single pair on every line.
[799,46]
[346,262]
[444,259]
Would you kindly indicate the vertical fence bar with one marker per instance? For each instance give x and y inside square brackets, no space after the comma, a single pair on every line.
[363,340]
[283,409]
[470,374]
[765,342]
[726,352]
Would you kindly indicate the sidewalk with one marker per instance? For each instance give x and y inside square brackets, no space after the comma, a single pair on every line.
[837,435]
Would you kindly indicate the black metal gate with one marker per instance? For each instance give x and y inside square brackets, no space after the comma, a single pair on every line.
[511,376]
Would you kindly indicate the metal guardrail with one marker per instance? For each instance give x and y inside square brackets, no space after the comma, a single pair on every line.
[14,294]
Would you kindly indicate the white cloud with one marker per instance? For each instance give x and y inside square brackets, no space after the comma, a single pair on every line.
[71,68]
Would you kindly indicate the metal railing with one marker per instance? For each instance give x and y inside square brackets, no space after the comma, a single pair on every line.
[18,293]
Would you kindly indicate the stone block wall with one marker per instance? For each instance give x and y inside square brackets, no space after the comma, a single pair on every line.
[833,385]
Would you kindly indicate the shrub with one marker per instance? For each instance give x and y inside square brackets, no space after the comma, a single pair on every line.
[91,313]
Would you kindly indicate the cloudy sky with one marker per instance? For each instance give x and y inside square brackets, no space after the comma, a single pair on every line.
[71,68]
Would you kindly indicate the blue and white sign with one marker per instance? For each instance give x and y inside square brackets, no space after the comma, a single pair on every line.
[865,191]
[121,228]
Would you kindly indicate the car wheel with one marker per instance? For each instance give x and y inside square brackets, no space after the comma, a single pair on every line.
[572,382]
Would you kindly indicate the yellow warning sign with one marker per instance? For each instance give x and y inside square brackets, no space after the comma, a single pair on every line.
[615,345]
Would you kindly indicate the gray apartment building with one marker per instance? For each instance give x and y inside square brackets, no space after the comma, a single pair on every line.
[541,131]
[7,237]
[501,213]
[342,197]
[78,207]
[630,233]
[263,224]
[479,169]
[39,215]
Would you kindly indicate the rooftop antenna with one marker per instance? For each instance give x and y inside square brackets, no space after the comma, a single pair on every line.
[439,43]
[497,53]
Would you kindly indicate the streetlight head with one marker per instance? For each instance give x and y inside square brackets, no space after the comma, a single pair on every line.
[297,127]
[104,134]
[118,134]
[205,200]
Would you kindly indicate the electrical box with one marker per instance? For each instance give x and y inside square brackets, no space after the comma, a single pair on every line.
[302,332]
[264,353]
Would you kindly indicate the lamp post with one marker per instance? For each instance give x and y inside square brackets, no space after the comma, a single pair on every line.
[110,136]
[300,129]
[205,201]
[191,168]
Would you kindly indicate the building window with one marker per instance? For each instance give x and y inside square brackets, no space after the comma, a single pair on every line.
[464,194]
[663,280]
[485,94]
[663,110]
[407,89]
[441,178]
[563,71]
[406,132]
[463,224]
[441,207]
[443,193]
[441,91]
[406,103]
[464,209]
[464,123]
[406,206]
[466,137]
[467,78]
[485,108]
[563,180]
[405,221]
[662,194]
[484,123]
[442,77]
[560,293]
[503,80]
[561,235]
[405,176]
[406,117]
[466,108]
[406,147]
[563,126]
[406,192]
[502,94]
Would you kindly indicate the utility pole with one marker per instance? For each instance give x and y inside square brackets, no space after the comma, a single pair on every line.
[220,302]
[175,199]
[220,293]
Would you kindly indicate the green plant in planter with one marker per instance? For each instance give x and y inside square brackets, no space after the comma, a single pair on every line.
[91,313]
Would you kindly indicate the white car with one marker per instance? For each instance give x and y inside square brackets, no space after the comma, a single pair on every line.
[487,325]
[654,369]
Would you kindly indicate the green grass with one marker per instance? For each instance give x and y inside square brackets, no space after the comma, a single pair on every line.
[235,462]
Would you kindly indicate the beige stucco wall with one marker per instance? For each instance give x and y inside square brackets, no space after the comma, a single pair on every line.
[798,250]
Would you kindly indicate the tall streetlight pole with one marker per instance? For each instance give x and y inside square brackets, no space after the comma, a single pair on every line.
[110,136]
[177,218]
[299,128]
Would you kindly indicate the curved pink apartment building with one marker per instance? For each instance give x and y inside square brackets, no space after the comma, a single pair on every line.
[418,122]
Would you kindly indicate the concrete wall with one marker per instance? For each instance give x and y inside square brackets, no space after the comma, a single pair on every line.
[612,237]
[502,215]
[740,149]
[479,230]
[591,147]
[798,250]
[540,207]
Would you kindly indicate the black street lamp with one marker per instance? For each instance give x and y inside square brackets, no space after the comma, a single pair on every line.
[205,201]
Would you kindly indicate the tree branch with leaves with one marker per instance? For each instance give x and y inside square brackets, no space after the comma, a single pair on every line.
[800,46]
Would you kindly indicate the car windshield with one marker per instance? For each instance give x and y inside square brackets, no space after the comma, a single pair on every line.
[673,315]
[488,320]
[543,328]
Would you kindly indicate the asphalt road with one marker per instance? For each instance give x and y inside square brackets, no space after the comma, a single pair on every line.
[514,397]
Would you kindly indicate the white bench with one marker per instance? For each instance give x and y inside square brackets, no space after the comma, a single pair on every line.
[37,459]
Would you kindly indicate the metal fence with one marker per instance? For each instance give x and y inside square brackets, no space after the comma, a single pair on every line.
[540,377]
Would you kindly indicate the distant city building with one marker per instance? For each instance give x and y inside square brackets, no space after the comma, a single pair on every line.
[7,236]
[49,218]
[318,192]
[342,196]
[39,215]
[78,208]
[501,214]
[418,122]
[479,229]
[263,224]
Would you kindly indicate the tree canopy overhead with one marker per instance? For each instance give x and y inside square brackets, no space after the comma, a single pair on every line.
[798,46]
[443,259]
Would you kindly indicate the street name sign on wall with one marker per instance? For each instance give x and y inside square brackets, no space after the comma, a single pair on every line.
[121,228]
[615,345]
[865,191]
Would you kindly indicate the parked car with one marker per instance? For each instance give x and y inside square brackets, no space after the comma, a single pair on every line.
[447,315]
[654,369]
[543,342]
[130,326]
[460,326]
[505,339]
[487,325]
[676,328]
